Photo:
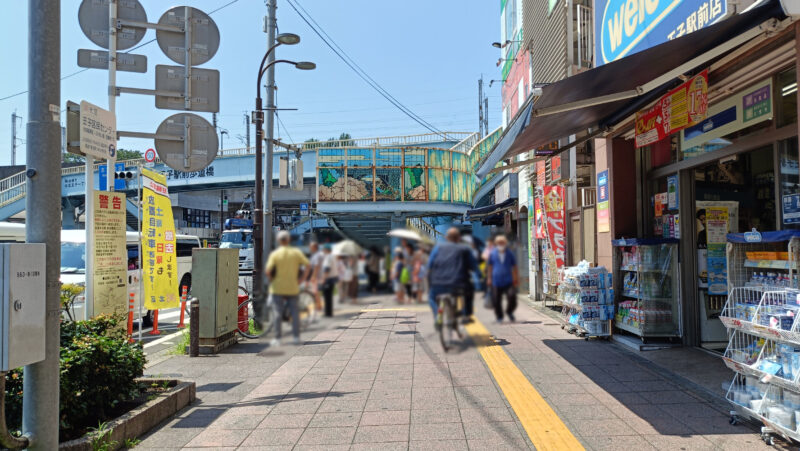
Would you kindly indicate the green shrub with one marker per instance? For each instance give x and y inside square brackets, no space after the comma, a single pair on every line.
[98,368]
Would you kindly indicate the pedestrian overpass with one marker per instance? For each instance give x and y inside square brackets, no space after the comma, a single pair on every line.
[364,186]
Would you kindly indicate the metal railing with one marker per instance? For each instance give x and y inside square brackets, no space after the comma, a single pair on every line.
[583,44]
[388,141]
[422,227]
[467,143]
[588,196]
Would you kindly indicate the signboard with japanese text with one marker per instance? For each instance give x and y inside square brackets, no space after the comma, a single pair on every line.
[555,169]
[541,173]
[109,255]
[555,225]
[742,109]
[531,223]
[682,107]
[98,132]
[603,220]
[159,262]
[539,212]
[547,149]
[624,27]
[791,208]
[716,232]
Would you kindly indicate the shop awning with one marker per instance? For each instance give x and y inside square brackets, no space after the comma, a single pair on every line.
[491,209]
[507,139]
[587,101]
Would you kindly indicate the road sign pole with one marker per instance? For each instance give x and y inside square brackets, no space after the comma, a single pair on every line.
[40,417]
[88,218]
[270,113]
[112,79]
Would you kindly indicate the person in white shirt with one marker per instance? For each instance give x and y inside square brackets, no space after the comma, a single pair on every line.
[330,276]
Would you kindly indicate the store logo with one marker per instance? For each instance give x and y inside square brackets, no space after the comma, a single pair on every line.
[626,22]
[753,236]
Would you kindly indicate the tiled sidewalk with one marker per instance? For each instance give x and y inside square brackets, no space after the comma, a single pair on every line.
[381,381]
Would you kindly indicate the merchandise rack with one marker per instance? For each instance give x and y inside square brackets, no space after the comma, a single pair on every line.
[572,318]
[761,315]
[647,280]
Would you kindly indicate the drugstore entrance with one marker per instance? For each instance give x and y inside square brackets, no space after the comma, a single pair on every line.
[733,194]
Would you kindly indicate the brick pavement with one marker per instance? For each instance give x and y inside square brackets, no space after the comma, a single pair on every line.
[379,380]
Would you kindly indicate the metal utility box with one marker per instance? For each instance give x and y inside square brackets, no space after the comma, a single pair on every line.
[215,278]
[22,314]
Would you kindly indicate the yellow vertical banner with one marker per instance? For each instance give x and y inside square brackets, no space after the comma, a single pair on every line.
[109,254]
[159,262]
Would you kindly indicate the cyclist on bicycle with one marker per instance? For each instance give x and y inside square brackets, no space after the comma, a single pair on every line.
[449,267]
[283,271]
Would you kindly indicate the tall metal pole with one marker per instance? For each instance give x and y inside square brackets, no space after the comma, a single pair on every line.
[43,203]
[14,118]
[112,80]
[480,107]
[272,24]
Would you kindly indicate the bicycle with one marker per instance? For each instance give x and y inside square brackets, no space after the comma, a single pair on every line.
[450,307]
[250,326]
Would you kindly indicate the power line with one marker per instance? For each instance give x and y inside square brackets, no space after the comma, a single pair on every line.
[328,41]
[87,68]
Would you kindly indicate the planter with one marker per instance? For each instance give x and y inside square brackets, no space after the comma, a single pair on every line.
[141,419]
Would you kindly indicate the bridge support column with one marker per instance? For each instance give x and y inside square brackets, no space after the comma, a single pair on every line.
[398,222]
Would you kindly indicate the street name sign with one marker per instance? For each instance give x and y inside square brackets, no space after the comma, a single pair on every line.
[98,59]
[98,132]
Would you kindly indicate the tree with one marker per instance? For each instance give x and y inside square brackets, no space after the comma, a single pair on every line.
[122,155]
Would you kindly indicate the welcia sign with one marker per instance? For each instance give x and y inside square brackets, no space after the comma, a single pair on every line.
[629,26]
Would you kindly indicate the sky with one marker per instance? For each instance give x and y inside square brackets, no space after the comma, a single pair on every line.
[428,54]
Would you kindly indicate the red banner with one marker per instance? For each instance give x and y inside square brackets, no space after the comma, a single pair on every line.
[556,227]
[682,107]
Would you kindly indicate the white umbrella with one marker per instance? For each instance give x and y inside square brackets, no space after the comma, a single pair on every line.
[408,234]
[346,247]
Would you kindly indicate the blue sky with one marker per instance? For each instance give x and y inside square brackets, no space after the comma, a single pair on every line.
[427,54]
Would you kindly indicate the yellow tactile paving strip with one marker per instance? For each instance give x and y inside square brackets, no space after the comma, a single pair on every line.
[544,427]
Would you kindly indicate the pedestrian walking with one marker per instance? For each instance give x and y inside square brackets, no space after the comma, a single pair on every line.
[373,268]
[315,280]
[330,277]
[502,278]
[449,268]
[419,274]
[283,269]
[398,269]
[346,277]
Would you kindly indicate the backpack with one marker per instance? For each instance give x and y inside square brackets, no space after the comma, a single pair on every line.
[405,276]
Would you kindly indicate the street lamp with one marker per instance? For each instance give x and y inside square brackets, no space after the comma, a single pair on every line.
[258,118]
[222,134]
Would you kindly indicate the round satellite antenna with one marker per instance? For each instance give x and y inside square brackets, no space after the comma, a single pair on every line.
[205,36]
[93,18]
[203,142]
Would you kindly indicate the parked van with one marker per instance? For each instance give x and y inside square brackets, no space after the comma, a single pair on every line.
[73,259]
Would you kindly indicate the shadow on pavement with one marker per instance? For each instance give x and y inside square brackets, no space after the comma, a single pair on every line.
[669,407]
[218,386]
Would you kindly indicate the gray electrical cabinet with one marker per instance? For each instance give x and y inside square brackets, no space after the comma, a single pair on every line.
[215,278]
[22,304]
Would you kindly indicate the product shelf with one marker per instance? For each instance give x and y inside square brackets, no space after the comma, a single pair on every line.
[773,315]
[770,264]
[584,294]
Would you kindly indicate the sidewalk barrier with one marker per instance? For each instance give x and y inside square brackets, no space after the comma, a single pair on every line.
[155,330]
[194,331]
[184,293]
[130,318]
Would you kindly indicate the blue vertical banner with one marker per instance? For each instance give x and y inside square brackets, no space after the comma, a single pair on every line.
[624,27]
[102,172]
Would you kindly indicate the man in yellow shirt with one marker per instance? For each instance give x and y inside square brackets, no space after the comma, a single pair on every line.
[283,272]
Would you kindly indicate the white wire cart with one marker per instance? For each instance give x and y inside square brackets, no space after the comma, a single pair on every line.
[587,300]
[762,315]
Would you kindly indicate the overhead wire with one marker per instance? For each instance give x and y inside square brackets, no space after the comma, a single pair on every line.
[330,43]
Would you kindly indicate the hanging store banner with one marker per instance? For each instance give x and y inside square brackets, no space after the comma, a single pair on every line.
[555,225]
[672,192]
[159,262]
[109,255]
[541,173]
[716,232]
[603,221]
[555,169]
[531,223]
[624,27]
[540,235]
[682,107]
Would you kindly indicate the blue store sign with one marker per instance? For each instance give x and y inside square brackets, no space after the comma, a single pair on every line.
[624,27]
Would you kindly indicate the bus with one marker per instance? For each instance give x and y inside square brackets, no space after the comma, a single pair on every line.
[73,260]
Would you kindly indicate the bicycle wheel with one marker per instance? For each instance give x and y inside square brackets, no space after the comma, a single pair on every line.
[442,322]
[249,325]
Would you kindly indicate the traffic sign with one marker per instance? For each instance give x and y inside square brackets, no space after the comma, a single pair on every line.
[202,142]
[204,36]
[98,59]
[93,18]
[98,132]
[150,155]
[119,184]
[204,88]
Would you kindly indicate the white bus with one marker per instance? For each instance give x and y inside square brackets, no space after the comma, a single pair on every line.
[73,259]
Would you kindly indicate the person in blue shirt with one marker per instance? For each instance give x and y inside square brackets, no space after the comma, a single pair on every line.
[502,278]
[449,267]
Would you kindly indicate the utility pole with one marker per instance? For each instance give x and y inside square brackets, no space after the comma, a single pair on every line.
[40,417]
[14,139]
[480,107]
[272,24]
[486,114]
